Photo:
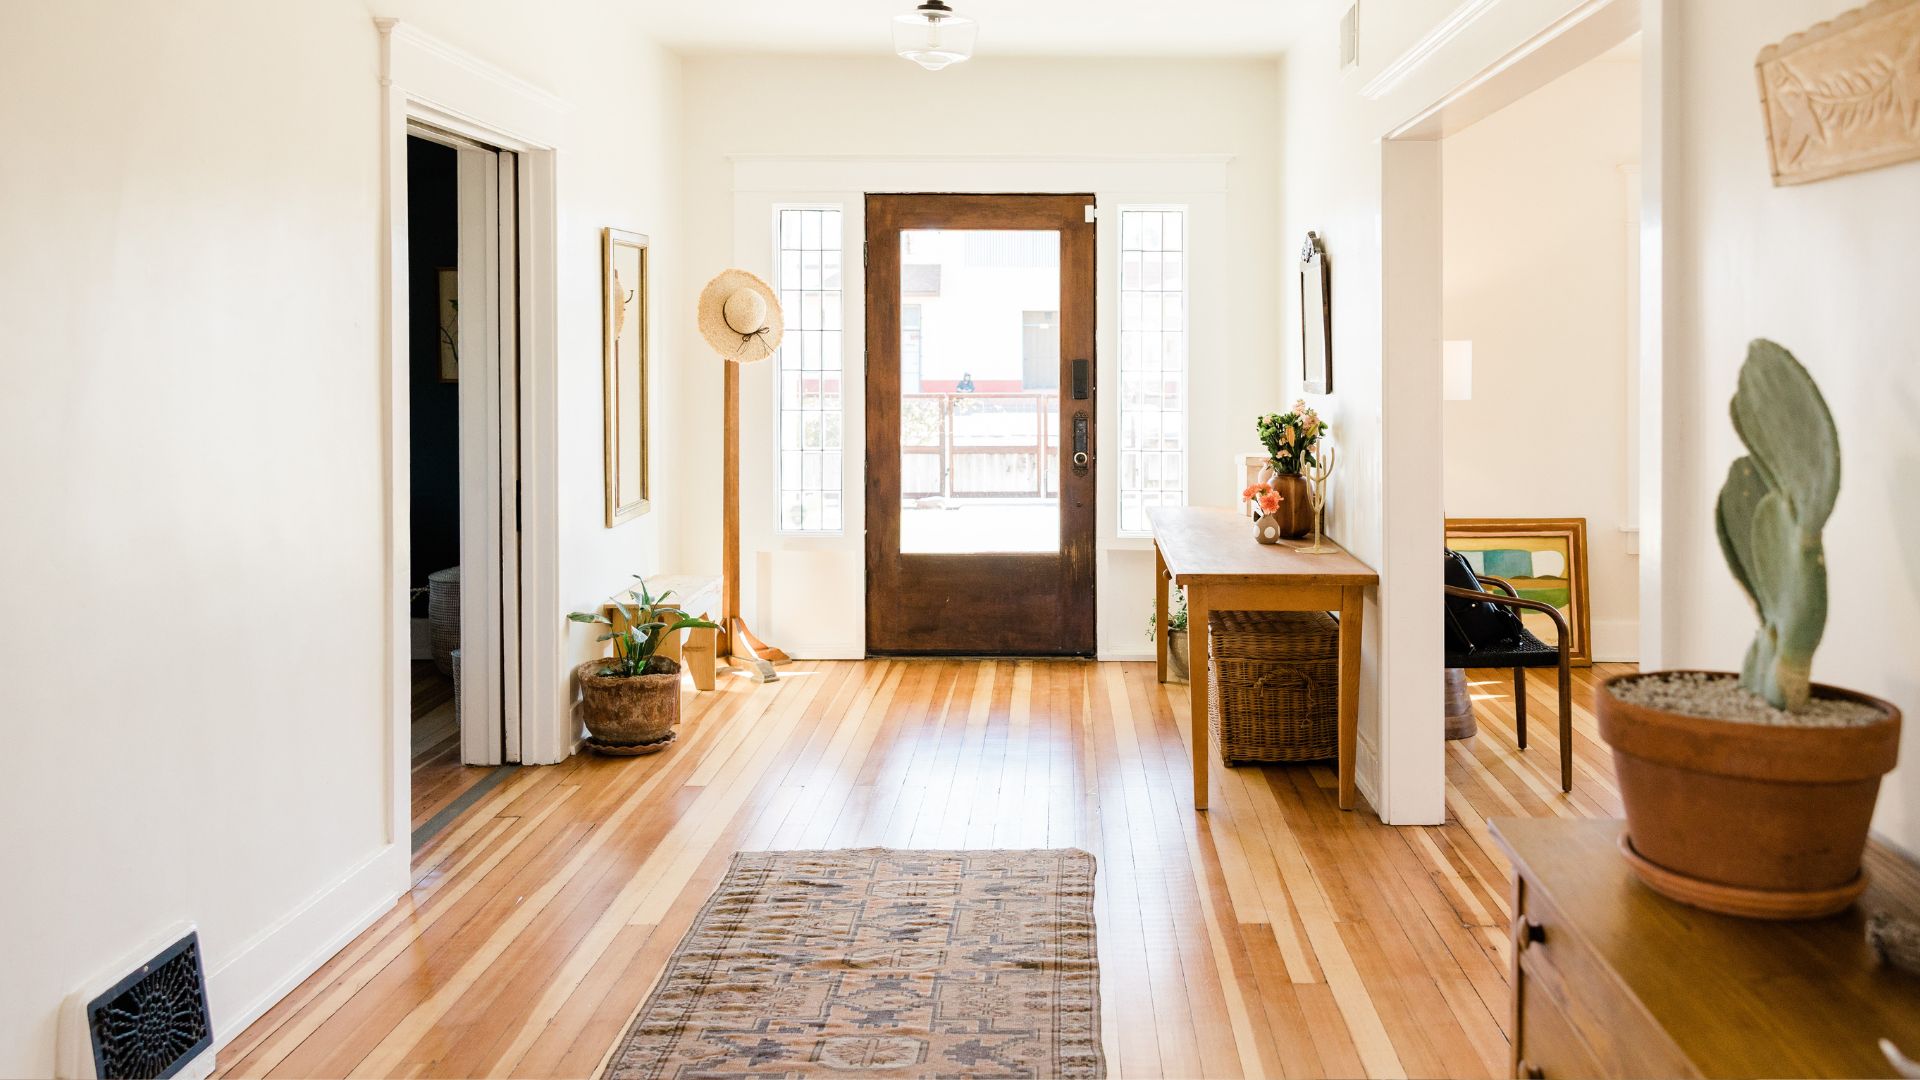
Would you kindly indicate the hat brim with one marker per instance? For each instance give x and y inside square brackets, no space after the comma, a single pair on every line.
[730,343]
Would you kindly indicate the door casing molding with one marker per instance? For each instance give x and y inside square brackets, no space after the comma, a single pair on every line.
[426,80]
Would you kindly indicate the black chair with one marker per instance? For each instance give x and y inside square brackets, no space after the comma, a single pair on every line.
[1484,630]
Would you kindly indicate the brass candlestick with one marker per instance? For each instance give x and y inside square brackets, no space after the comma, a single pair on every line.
[1317,474]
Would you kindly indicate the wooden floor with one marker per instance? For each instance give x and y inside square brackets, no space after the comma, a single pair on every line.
[438,776]
[1270,936]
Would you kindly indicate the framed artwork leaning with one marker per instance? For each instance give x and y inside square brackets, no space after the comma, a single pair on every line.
[1544,559]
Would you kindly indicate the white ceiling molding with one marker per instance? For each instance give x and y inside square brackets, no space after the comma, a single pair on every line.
[1008,28]
[430,70]
[1436,39]
[1196,173]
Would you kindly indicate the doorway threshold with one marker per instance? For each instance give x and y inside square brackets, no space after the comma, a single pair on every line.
[430,828]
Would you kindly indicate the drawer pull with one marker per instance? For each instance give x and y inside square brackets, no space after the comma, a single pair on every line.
[1529,931]
[1528,1070]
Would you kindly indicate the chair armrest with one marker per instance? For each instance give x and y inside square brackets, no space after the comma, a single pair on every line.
[1565,642]
[1502,584]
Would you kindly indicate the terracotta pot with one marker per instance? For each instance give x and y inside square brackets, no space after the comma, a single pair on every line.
[1177,656]
[625,713]
[1748,819]
[1295,515]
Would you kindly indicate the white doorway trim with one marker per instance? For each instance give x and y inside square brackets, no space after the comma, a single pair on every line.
[1499,51]
[427,81]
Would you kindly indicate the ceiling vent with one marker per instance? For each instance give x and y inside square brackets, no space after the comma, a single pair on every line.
[1350,38]
[145,1018]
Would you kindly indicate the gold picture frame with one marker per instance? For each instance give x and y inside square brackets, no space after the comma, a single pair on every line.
[623,266]
[1523,551]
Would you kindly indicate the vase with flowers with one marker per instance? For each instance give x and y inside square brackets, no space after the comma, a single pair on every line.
[1292,440]
[1267,502]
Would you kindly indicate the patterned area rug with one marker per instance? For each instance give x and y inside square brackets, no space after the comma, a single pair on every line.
[882,963]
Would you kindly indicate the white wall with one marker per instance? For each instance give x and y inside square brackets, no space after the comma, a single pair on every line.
[1828,270]
[876,123]
[194,690]
[1536,273]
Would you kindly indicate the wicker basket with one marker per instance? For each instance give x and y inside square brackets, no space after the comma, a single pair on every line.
[1274,691]
[443,616]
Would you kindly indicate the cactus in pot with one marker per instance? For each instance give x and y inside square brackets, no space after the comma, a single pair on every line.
[1775,502]
[1751,794]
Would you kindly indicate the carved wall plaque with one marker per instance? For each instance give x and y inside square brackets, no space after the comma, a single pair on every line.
[1844,96]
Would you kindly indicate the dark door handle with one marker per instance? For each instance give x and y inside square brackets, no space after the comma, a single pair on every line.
[1080,387]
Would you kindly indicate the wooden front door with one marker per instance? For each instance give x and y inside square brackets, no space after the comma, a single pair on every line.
[980,425]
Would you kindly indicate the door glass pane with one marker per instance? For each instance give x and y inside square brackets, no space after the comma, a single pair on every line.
[979,391]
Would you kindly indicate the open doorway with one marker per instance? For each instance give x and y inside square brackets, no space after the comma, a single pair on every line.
[1539,275]
[462,409]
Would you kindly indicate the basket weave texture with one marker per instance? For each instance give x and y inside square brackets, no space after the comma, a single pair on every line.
[1275,685]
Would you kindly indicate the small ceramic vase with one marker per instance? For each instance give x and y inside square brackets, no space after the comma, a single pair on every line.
[1267,529]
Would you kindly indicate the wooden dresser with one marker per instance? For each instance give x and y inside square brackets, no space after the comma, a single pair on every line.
[1611,979]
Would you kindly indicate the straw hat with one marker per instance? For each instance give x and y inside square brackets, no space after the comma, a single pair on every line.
[740,316]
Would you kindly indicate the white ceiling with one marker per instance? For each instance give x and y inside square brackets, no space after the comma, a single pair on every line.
[1007,27]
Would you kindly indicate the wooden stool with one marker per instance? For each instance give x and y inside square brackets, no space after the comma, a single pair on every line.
[1460,722]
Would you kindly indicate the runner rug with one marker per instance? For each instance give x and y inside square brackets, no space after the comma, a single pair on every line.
[882,963]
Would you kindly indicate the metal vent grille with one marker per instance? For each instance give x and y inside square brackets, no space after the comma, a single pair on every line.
[155,1020]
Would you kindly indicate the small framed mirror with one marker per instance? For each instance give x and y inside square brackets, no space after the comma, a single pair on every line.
[624,296]
[1316,317]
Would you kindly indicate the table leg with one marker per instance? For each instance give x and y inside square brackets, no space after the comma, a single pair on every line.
[1159,613]
[1198,654]
[1350,614]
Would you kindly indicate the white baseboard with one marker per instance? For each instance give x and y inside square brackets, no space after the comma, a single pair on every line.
[1616,641]
[1128,653]
[275,961]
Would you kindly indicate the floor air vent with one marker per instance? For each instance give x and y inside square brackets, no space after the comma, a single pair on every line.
[151,1022]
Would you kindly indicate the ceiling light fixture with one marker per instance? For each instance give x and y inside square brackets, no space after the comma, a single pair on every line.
[933,36]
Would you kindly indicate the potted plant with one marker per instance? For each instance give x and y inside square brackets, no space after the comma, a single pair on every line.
[630,701]
[1176,635]
[1292,440]
[1751,794]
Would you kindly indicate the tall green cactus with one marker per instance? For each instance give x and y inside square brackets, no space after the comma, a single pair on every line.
[1771,511]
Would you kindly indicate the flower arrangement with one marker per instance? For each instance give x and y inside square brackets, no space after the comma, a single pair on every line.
[1266,500]
[1291,439]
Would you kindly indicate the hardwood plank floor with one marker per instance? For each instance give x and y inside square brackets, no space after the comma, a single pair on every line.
[438,776]
[1273,935]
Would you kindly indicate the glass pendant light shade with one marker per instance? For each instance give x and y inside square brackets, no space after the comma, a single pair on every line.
[933,36]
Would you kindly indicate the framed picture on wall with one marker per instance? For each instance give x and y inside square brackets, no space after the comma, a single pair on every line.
[449,316]
[624,297]
[1543,559]
[1316,317]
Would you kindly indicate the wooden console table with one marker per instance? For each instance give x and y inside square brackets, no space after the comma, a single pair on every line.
[1612,979]
[1212,554]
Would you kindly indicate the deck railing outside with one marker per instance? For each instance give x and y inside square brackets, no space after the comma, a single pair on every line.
[980,445]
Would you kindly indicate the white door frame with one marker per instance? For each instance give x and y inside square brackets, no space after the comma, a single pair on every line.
[426,80]
[1506,49]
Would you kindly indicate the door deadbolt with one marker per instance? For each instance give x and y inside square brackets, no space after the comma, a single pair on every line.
[1080,456]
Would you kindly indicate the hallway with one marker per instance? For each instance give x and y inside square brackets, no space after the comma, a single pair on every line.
[1277,937]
